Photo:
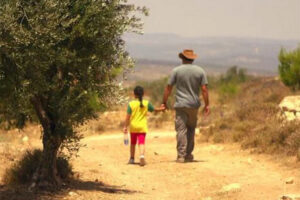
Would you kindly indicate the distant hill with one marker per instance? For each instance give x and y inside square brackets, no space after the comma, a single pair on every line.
[258,56]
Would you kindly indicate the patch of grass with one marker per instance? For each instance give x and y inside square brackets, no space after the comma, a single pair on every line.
[22,171]
[5,137]
[252,119]
[227,91]
[228,85]
[2,138]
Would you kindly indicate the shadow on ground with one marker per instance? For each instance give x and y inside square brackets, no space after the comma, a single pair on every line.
[98,186]
[185,163]
[22,192]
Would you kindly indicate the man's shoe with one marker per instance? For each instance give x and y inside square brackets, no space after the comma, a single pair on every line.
[189,158]
[131,161]
[180,160]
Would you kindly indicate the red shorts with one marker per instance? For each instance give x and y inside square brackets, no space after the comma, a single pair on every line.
[137,137]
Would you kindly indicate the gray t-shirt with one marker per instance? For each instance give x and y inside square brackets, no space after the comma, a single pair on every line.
[188,79]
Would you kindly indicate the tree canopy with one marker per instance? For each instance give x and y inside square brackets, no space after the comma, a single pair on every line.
[58,60]
[289,68]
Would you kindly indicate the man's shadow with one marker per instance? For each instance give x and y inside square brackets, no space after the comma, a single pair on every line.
[174,161]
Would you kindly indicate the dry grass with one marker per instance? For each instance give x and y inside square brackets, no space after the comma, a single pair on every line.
[252,119]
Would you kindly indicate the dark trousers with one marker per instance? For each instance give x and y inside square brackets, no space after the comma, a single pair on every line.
[185,125]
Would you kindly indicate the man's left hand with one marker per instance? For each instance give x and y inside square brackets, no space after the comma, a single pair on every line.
[163,106]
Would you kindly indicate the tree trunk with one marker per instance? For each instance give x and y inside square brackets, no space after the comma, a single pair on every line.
[48,168]
[46,176]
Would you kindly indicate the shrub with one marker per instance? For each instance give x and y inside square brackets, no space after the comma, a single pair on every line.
[23,170]
[252,119]
[228,85]
[289,68]
[227,91]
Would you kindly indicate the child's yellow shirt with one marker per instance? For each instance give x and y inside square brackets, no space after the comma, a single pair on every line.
[138,119]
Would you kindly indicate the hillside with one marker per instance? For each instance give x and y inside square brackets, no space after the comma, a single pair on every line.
[258,56]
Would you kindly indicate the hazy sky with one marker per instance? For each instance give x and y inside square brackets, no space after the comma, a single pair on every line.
[276,19]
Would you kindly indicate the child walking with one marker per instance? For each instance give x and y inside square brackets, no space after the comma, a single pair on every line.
[136,119]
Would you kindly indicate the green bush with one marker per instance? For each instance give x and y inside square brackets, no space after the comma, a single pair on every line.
[227,91]
[289,68]
[228,85]
[22,171]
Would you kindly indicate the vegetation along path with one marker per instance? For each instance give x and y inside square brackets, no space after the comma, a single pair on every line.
[250,176]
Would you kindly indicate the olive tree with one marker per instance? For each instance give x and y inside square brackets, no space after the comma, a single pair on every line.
[289,68]
[58,61]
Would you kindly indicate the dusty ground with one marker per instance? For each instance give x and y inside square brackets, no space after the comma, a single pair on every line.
[104,173]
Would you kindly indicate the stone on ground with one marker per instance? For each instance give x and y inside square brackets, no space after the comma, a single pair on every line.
[25,139]
[289,180]
[290,106]
[290,197]
[231,188]
[73,194]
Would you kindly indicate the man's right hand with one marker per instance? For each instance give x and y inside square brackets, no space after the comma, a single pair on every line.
[206,110]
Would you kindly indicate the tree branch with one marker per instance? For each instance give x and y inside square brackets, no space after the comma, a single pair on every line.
[41,112]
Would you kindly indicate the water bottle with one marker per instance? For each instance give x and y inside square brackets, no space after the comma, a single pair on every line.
[126,139]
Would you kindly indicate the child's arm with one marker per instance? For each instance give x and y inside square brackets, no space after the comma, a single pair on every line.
[161,108]
[127,119]
[151,108]
[126,124]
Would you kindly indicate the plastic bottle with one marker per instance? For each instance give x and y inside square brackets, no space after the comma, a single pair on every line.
[126,139]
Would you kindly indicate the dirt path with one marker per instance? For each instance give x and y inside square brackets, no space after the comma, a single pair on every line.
[105,159]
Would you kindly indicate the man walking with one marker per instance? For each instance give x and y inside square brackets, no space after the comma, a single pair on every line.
[188,79]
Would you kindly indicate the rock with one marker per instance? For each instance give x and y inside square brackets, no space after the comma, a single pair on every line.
[73,194]
[155,153]
[197,131]
[290,116]
[290,106]
[290,197]
[290,180]
[290,103]
[207,198]
[232,188]
[25,139]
